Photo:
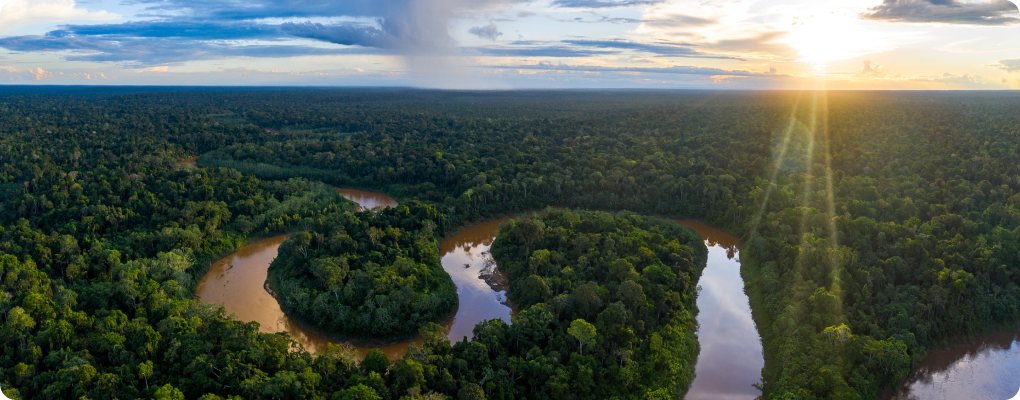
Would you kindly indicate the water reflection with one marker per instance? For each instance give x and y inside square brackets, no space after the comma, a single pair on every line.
[237,283]
[731,358]
[367,200]
[987,369]
[464,256]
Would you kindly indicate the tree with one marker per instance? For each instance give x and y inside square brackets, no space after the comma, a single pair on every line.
[168,392]
[145,371]
[583,332]
[332,272]
[471,391]
[18,326]
[358,392]
[375,361]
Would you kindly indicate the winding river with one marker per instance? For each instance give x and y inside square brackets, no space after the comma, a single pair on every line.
[236,282]
[730,361]
[731,357]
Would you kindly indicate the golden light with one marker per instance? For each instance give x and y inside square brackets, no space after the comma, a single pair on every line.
[819,38]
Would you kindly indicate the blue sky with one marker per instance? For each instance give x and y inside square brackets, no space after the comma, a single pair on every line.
[497,44]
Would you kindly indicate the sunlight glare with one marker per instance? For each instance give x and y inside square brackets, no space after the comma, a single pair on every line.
[834,36]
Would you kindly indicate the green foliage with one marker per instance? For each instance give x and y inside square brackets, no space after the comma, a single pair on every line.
[891,227]
[367,274]
[583,332]
[651,343]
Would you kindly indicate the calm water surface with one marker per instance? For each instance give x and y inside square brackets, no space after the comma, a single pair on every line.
[236,282]
[367,200]
[731,354]
[464,256]
[987,369]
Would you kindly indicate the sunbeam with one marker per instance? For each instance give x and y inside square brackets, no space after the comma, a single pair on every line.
[777,165]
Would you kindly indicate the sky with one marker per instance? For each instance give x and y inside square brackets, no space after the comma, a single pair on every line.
[515,44]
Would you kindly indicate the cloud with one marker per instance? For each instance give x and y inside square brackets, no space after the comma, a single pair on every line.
[661,49]
[671,19]
[731,28]
[994,12]
[410,26]
[603,3]
[965,81]
[349,35]
[869,69]
[40,74]
[18,13]
[767,44]
[143,52]
[184,30]
[681,70]
[196,30]
[230,76]
[1010,65]
[601,19]
[486,32]
[14,75]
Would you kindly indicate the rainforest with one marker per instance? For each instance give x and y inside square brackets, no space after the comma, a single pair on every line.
[874,228]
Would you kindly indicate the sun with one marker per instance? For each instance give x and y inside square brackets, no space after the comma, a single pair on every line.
[819,38]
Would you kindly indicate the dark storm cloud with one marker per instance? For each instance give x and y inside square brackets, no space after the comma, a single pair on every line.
[660,49]
[182,30]
[994,12]
[681,70]
[220,10]
[346,34]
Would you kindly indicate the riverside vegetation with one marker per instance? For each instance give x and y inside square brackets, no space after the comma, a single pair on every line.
[875,226]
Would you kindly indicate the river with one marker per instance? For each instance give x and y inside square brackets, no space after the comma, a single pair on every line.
[731,357]
[464,257]
[236,282]
[367,200]
[188,162]
[730,361]
[985,369]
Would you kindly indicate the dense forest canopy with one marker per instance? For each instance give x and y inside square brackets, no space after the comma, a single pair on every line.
[876,225]
[370,275]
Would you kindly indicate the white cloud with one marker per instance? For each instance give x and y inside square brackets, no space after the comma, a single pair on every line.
[870,69]
[41,74]
[18,13]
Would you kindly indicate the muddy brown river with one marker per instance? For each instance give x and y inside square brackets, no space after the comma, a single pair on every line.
[188,162]
[730,361]
[464,257]
[236,282]
[367,200]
